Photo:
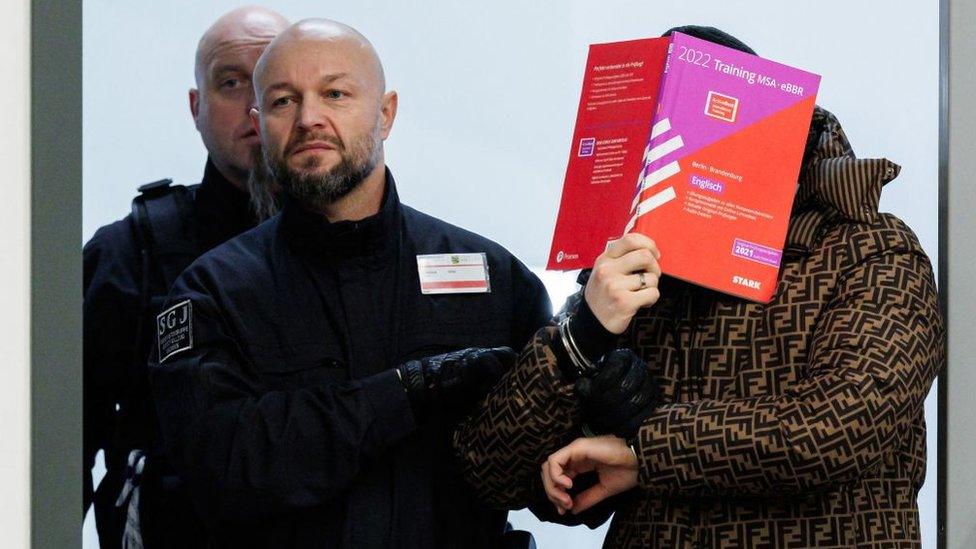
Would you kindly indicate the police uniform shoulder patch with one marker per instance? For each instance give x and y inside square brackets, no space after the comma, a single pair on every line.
[174,329]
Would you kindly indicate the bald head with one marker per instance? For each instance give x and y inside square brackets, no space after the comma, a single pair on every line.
[323,34]
[248,25]
[224,93]
[323,113]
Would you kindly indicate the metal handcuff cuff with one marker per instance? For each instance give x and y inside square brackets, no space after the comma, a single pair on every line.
[584,367]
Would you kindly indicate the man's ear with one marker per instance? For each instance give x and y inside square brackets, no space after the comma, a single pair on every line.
[388,110]
[195,106]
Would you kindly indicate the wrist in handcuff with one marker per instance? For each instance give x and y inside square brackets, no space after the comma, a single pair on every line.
[593,339]
[580,343]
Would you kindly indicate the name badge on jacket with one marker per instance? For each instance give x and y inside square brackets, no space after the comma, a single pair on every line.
[453,274]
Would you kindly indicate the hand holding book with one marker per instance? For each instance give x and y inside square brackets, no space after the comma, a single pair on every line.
[695,143]
[624,279]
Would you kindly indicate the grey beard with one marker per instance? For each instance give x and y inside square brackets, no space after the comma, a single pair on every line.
[262,188]
[318,191]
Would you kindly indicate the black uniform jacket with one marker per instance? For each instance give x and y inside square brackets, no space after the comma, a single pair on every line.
[118,412]
[275,390]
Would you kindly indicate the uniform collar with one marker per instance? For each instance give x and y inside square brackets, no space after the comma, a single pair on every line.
[223,210]
[834,183]
[367,236]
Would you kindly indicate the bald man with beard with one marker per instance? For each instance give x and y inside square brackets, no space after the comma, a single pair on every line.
[129,266]
[308,373]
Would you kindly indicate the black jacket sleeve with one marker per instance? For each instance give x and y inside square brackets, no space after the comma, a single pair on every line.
[247,451]
[110,313]
[532,306]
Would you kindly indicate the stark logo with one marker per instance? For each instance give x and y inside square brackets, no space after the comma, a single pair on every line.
[174,329]
[747,282]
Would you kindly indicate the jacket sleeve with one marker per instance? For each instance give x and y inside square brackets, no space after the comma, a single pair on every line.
[531,413]
[246,451]
[528,415]
[872,359]
[532,307]
[110,312]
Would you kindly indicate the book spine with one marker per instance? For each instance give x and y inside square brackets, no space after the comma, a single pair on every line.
[653,170]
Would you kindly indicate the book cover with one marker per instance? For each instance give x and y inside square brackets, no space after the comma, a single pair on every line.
[619,93]
[720,173]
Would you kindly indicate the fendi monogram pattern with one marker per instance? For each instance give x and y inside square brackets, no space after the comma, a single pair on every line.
[798,423]
[527,417]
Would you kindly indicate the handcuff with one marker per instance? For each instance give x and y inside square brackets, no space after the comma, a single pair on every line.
[583,366]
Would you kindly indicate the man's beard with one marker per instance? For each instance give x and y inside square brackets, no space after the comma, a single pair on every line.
[317,191]
[262,188]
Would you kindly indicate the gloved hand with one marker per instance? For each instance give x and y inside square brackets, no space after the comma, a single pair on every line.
[456,380]
[620,396]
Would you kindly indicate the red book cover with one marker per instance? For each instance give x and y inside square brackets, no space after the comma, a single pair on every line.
[721,168]
[620,89]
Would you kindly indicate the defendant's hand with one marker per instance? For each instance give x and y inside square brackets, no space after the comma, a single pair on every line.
[610,457]
[623,280]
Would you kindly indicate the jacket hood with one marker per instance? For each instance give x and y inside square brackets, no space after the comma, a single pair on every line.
[834,182]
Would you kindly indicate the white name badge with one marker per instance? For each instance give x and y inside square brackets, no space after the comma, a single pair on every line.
[453,274]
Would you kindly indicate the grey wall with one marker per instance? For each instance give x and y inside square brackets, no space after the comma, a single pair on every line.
[961,248]
[55,316]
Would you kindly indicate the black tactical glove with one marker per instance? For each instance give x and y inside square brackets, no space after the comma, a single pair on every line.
[454,381]
[620,396]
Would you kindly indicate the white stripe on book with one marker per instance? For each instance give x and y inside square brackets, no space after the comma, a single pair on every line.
[655,177]
[665,148]
[661,127]
[659,199]
[630,224]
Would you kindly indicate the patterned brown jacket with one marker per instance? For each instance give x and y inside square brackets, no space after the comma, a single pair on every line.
[798,423]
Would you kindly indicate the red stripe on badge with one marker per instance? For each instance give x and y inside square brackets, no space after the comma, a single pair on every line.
[451,284]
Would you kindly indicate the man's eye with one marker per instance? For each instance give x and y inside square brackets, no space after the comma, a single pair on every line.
[281,102]
[335,94]
[231,83]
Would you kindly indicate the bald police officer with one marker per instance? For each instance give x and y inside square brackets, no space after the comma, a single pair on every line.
[129,266]
[308,372]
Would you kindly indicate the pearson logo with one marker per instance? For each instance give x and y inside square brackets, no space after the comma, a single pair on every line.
[747,282]
[563,256]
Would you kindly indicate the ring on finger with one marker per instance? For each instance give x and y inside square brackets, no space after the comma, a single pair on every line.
[642,280]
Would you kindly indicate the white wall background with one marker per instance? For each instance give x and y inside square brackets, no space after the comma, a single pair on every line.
[488,96]
[15,278]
